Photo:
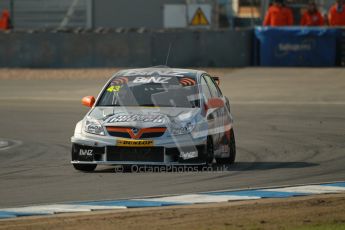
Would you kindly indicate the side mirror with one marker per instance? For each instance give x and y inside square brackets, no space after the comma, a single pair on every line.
[216,79]
[88,101]
[215,103]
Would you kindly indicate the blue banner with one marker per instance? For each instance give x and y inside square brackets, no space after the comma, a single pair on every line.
[297,46]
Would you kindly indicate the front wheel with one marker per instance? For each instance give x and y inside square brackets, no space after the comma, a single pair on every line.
[232,150]
[85,167]
[209,156]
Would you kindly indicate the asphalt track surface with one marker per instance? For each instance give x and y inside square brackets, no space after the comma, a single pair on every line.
[289,123]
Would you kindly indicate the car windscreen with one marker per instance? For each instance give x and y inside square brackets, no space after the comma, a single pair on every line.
[172,91]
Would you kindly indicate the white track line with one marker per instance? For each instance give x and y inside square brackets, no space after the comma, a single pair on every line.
[312,189]
[60,208]
[200,198]
[9,145]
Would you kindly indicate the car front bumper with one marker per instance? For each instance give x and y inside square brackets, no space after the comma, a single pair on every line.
[177,150]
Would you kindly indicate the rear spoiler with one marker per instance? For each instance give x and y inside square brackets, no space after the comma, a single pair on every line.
[216,79]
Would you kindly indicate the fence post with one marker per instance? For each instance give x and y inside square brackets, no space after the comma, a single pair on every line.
[89,14]
[12,12]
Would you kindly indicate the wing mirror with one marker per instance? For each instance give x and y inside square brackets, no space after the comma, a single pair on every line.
[215,103]
[216,79]
[88,101]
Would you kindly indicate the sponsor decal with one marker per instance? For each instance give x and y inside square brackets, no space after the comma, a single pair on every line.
[119,81]
[85,152]
[114,88]
[305,45]
[155,72]
[294,47]
[134,143]
[188,155]
[187,81]
[161,80]
[138,118]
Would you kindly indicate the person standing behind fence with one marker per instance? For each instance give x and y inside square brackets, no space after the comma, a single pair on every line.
[312,17]
[5,20]
[278,15]
[336,14]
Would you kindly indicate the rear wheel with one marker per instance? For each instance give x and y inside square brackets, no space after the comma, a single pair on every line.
[85,167]
[232,150]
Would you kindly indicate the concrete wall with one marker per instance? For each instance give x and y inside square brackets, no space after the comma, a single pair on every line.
[132,49]
[130,14]
[4,4]
[222,48]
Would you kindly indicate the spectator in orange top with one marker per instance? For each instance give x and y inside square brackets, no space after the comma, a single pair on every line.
[336,14]
[312,17]
[5,21]
[278,15]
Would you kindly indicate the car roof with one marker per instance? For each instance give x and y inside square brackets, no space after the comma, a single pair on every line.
[161,70]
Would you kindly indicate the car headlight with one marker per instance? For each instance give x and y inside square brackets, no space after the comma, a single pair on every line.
[93,126]
[182,128]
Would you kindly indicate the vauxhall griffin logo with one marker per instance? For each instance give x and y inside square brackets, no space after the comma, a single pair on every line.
[135,131]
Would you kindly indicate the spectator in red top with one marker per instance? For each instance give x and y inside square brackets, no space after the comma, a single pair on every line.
[312,17]
[336,14]
[278,15]
[5,21]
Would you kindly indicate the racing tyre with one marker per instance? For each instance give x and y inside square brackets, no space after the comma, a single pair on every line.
[85,167]
[209,151]
[232,151]
[208,155]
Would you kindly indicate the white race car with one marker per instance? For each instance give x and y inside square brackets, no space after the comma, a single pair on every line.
[155,116]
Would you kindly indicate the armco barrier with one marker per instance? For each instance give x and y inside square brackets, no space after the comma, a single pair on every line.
[129,49]
[297,46]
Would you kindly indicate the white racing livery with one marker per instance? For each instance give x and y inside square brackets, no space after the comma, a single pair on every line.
[155,116]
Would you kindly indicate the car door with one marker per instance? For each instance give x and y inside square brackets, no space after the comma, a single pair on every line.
[213,115]
[221,113]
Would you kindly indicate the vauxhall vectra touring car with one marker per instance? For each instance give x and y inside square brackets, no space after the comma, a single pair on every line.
[155,116]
